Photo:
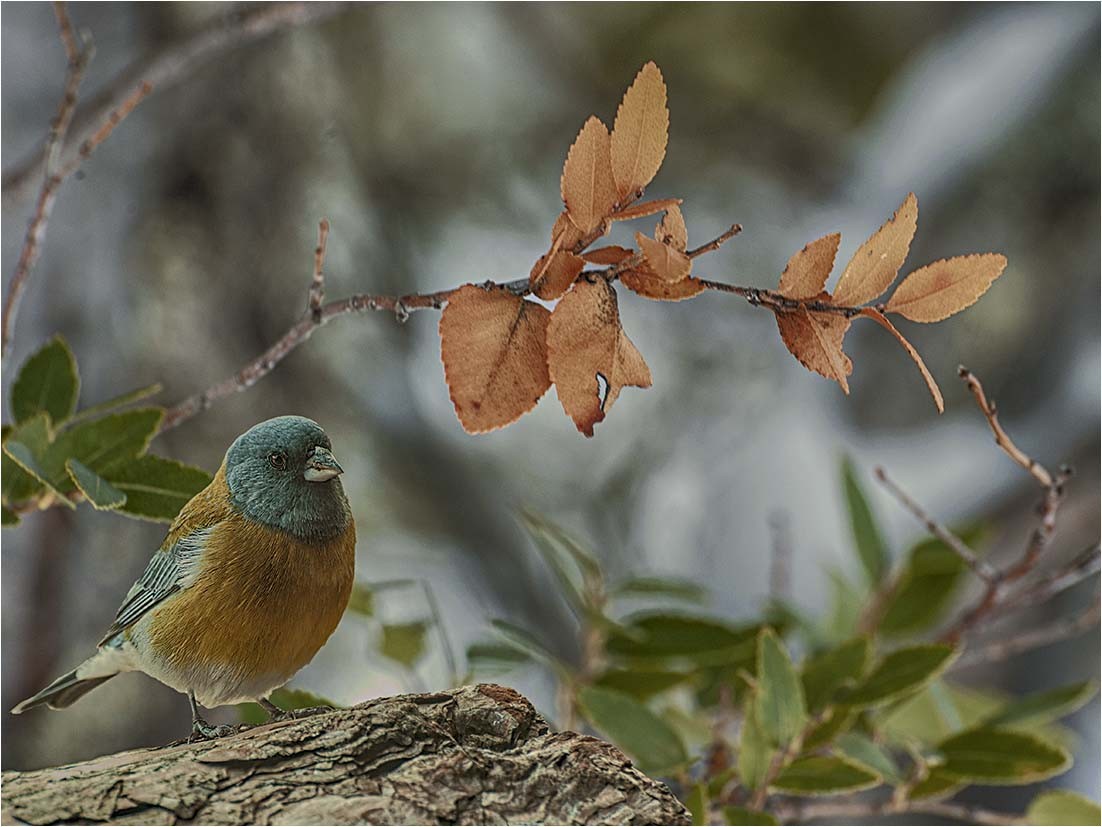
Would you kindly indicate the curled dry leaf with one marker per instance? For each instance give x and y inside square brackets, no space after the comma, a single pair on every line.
[589,356]
[875,264]
[884,322]
[664,262]
[807,270]
[645,208]
[640,132]
[671,229]
[587,187]
[564,235]
[610,256]
[939,290]
[494,348]
[816,340]
[554,273]
[650,287]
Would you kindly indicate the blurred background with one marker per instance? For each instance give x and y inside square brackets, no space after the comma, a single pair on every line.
[432,136]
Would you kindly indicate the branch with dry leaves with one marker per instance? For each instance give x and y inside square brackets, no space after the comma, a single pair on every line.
[502,349]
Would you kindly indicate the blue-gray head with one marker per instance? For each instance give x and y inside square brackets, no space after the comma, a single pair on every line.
[282,473]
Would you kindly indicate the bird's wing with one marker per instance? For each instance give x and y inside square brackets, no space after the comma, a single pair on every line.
[172,568]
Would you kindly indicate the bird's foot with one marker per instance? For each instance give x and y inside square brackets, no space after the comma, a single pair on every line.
[277,714]
[202,731]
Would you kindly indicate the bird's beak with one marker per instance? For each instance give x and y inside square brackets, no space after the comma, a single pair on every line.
[321,466]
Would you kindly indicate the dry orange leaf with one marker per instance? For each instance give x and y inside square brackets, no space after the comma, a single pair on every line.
[807,270]
[672,230]
[587,187]
[884,322]
[564,235]
[649,287]
[494,348]
[640,132]
[663,261]
[816,340]
[875,264]
[939,290]
[554,273]
[645,208]
[611,255]
[589,356]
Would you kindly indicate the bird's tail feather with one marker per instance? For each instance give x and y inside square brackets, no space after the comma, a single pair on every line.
[63,692]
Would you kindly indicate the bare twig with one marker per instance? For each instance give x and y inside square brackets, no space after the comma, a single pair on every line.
[317,284]
[1079,569]
[857,808]
[716,242]
[67,33]
[984,570]
[164,69]
[1062,629]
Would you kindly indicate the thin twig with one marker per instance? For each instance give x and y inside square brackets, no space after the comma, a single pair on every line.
[165,68]
[1000,650]
[1079,569]
[964,813]
[317,284]
[67,33]
[984,570]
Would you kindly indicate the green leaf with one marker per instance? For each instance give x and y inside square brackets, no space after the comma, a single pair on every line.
[105,443]
[641,683]
[494,658]
[10,518]
[362,600]
[935,786]
[825,673]
[670,587]
[647,738]
[19,485]
[524,641]
[866,534]
[741,815]
[755,751]
[47,382]
[1000,756]
[840,719]
[156,488]
[846,604]
[128,398]
[864,750]
[284,698]
[927,585]
[98,491]
[780,698]
[1043,707]
[404,642]
[698,802]
[901,672]
[1058,807]
[825,775]
[658,637]
[573,566]
[29,462]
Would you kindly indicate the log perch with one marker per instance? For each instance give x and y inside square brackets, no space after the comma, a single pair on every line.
[474,755]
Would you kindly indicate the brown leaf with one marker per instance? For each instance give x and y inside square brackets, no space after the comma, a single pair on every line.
[494,348]
[589,353]
[587,187]
[640,132]
[874,266]
[672,230]
[645,208]
[611,255]
[564,235]
[663,261]
[554,273]
[816,340]
[939,290]
[884,322]
[807,270]
[650,287]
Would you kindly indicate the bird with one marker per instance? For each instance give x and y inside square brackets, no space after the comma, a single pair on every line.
[251,580]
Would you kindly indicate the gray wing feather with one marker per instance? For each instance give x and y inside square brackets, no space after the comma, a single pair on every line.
[169,571]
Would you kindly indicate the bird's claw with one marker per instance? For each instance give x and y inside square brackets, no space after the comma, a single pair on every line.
[202,731]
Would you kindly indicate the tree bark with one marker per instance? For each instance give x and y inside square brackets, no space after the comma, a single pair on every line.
[473,755]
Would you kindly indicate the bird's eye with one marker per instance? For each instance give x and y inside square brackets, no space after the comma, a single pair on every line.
[278,460]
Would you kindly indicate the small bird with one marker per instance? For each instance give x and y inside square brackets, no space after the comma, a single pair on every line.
[251,580]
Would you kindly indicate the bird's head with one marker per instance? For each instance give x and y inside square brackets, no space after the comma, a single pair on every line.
[282,473]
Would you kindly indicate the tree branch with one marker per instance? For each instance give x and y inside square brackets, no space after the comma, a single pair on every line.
[1000,650]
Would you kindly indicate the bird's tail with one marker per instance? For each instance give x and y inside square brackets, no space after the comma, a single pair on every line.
[72,686]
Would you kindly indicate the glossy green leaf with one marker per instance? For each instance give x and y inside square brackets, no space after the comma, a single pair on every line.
[362,600]
[901,672]
[641,683]
[741,815]
[286,699]
[1059,807]
[17,484]
[867,538]
[1042,707]
[935,786]
[648,739]
[825,673]
[572,565]
[31,463]
[839,720]
[128,398]
[862,749]
[105,443]
[156,488]
[825,775]
[781,710]
[404,642]
[698,803]
[927,585]
[846,603]
[1000,756]
[755,751]
[669,587]
[658,637]
[98,491]
[47,383]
